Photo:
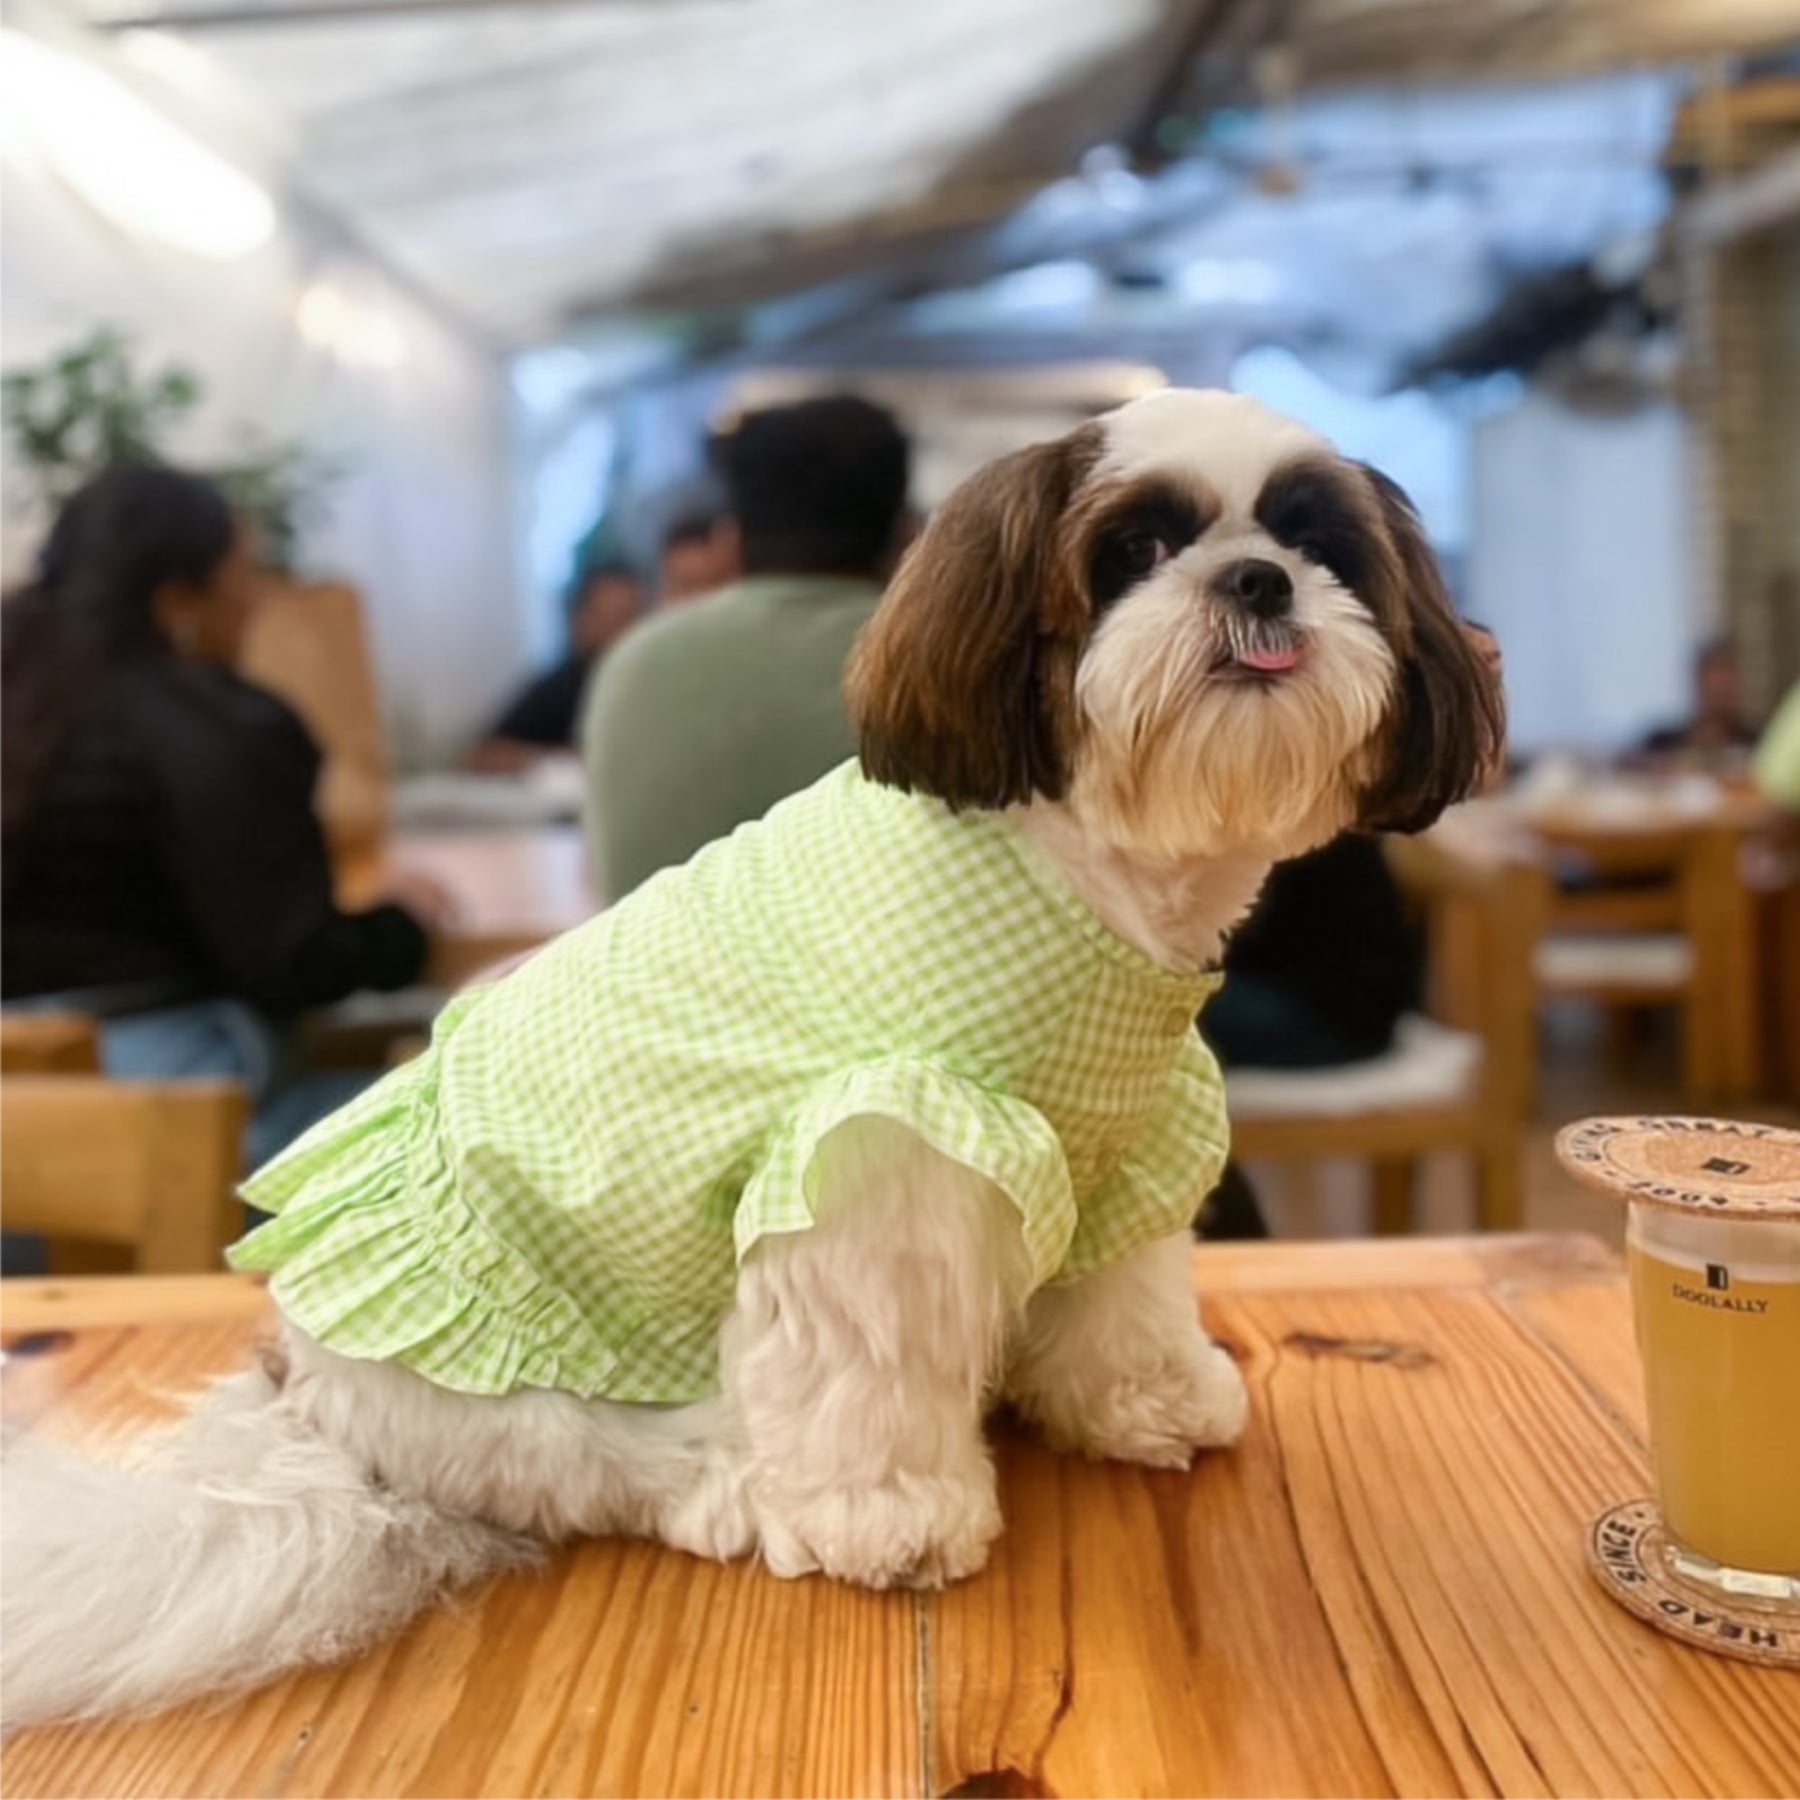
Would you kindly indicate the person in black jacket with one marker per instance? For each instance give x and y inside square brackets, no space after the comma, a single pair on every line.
[163,865]
[540,719]
[1324,968]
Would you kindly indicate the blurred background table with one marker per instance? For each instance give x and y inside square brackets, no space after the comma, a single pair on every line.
[513,888]
[1383,1591]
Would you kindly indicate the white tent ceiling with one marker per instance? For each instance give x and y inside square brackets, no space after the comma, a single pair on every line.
[536,162]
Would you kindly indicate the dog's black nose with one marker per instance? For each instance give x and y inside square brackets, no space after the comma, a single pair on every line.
[1262,588]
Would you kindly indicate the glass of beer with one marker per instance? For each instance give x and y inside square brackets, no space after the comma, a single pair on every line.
[1713,1244]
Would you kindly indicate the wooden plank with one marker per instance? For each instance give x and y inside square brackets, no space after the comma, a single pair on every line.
[1412,1262]
[35,1304]
[91,1385]
[1588,1326]
[150,1165]
[1382,1591]
[1145,1632]
[1617,909]
[1250,1267]
[621,1669]
[49,1043]
[53,1304]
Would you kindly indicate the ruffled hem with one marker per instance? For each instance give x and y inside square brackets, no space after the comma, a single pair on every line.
[372,1253]
[1005,1140]
[1165,1173]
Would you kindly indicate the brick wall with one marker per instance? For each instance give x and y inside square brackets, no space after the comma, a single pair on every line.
[1744,317]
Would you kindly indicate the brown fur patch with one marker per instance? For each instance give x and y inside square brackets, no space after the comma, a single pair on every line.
[963,683]
[1447,723]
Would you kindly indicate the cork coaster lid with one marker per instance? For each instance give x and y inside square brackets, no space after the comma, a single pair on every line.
[1719,1168]
[1626,1552]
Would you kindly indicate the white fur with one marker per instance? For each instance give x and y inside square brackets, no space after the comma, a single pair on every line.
[1177,910]
[1178,763]
[298,1520]
[1117,1364]
[239,1545]
[1231,439]
[861,1356]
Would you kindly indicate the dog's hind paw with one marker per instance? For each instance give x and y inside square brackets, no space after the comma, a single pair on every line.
[909,1531]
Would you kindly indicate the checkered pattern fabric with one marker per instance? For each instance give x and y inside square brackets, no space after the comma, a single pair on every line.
[558,1192]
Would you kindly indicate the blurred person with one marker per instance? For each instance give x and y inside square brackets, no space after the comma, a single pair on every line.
[541,719]
[1772,866]
[1777,763]
[164,866]
[711,712]
[1323,969]
[699,556]
[1717,731]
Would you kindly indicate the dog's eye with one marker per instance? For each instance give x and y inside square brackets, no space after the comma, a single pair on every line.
[1140,552]
[1309,510]
[1139,539]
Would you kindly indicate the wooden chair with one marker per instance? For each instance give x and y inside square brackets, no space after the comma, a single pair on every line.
[307,642]
[49,1043]
[1482,920]
[1668,922]
[146,1167]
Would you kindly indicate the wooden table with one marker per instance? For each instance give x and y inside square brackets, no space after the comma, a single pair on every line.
[1381,1592]
[514,888]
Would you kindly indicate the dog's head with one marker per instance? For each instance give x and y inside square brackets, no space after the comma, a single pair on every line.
[1193,622]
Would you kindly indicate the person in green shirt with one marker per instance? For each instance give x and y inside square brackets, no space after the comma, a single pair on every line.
[704,716]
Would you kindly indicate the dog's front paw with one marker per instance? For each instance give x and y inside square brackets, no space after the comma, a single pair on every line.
[1159,1411]
[908,1531]
[713,1518]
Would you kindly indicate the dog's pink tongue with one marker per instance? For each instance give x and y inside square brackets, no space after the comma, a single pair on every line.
[1270,662]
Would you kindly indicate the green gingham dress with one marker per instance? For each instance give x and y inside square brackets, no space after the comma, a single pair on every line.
[558,1192]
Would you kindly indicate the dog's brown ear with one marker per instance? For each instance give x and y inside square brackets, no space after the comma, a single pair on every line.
[963,683]
[1447,722]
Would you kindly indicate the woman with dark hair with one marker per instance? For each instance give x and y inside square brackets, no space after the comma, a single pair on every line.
[163,866]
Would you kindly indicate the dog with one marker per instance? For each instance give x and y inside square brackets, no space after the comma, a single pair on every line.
[903,1112]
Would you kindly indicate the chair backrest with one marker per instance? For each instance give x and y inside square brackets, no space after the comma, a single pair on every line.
[1627,881]
[1483,920]
[151,1166]
[49,1043]
[307,643]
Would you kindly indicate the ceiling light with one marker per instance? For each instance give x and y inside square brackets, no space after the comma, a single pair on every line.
[126,159]
[358,332]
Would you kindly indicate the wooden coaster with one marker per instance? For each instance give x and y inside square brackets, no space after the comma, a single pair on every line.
[1628,1554]
[1721,1168]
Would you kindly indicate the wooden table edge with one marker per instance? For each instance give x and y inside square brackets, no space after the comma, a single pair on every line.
[1323,1264]
[85,1302]
[1526,1258]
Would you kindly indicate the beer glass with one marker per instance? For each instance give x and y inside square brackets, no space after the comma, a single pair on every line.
[1713,1243]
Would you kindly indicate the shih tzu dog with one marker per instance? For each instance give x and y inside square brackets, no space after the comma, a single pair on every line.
[726,1218]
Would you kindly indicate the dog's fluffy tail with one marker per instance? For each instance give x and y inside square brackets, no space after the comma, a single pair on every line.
[237,1546]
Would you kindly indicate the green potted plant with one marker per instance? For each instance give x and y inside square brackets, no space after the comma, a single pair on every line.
[88,407]
[92,405]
